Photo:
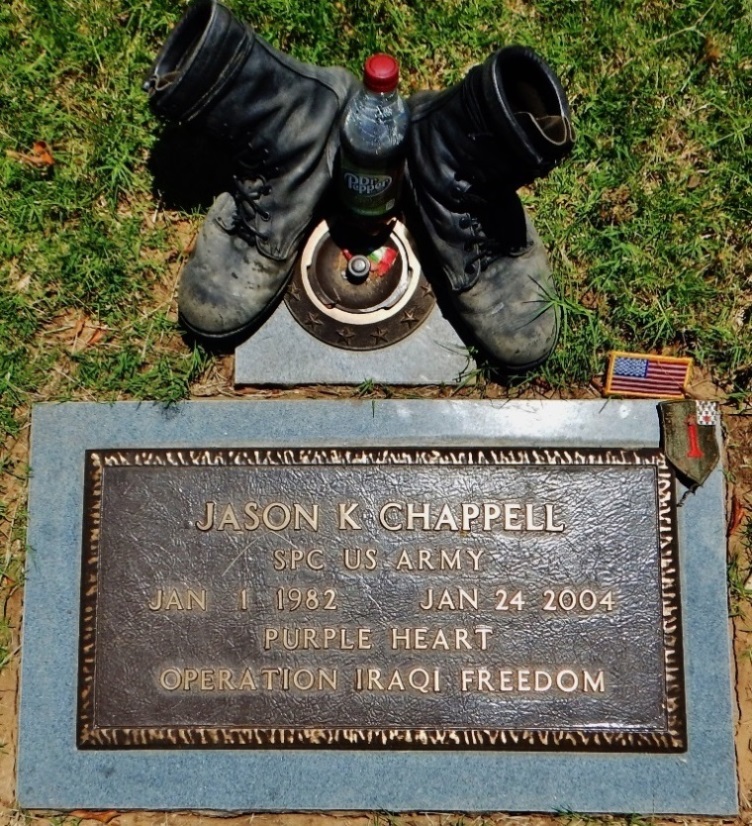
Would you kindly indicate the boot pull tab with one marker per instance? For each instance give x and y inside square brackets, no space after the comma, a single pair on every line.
[546,132]
[156,82]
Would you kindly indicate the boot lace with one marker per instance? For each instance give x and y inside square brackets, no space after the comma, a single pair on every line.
[249,185]
[490,225]
[486,248]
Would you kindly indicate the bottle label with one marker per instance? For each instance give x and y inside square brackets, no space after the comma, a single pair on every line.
[370,192]
[368,185]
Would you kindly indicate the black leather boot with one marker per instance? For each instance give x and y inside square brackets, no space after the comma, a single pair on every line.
[280,118]
[472,147]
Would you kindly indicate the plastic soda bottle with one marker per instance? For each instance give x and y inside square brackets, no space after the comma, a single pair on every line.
[373,137]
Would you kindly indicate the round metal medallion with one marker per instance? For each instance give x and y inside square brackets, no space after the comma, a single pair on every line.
[357,291]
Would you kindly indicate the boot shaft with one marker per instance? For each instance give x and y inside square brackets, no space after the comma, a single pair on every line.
[199,60]
[278,116]
[519,99]
[506,124]
[218,74]
[471,147]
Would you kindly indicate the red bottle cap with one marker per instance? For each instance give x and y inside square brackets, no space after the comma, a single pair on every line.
[381,73]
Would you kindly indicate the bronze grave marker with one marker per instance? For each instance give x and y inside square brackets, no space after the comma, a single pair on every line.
[470,598]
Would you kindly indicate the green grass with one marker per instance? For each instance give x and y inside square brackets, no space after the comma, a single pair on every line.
[739,574]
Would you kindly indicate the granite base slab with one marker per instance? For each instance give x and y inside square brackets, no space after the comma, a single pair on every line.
[54,774]
[283,353]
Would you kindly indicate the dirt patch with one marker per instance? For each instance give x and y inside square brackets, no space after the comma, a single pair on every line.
[13,493]
[738,433]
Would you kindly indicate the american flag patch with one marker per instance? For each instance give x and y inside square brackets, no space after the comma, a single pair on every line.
[641,374]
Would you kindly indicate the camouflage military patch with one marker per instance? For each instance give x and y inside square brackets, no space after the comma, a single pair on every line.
[689,437]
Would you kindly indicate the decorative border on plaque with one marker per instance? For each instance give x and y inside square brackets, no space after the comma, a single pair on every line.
[673,739]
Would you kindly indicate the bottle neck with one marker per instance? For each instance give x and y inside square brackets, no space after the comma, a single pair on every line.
[382,97]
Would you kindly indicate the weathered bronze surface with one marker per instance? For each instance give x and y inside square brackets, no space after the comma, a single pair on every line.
[463,598]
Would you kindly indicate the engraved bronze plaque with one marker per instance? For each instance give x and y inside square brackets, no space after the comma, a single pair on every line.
[380,598]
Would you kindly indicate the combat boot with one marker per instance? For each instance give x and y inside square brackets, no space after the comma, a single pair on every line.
[279,117]
[471,147]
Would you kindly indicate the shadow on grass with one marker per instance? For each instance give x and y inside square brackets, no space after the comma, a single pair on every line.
[189,168]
